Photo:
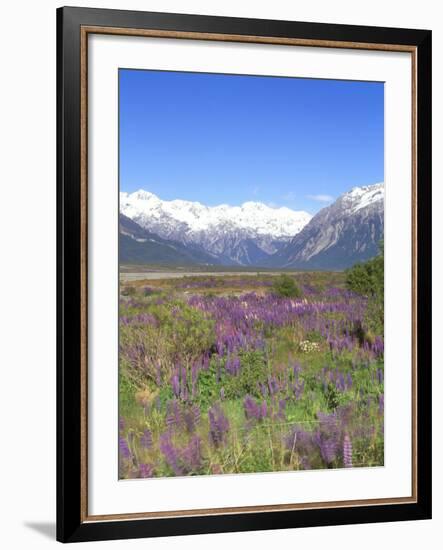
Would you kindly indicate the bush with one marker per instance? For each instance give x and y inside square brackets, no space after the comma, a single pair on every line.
[285,286]
[179,335]
[128,291]
[368,278]
[253,372]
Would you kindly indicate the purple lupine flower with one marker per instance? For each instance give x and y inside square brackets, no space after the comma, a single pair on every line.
[347,451]
[272,385]
[281,409]
[121,424]
[305,464]
[179,383]
[197,414]
[264,409]
[191,455]
[145,470]
[298,389]
[170,453]
[381,403]
[205,361]
[175,383]
[328,447]
[191,417]
[194,376]
[125,453]
[378,346]
[301,441]
[349,382]
[174,414]
[235,365]
[296,369]
[146,439]
[218,425]
[327,436]
[158,373]
[252,409]
[380,376]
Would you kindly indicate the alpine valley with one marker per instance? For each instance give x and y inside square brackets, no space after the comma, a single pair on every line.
[153,231]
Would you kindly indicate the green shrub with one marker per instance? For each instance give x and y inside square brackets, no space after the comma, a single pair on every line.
[208,387]
[128,291]
[314,336]
[285,286]
[180,335]
[368,279]
[254,370]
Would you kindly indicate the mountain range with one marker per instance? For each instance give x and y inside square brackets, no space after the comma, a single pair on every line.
[253,234]
[140,246]
[338,236]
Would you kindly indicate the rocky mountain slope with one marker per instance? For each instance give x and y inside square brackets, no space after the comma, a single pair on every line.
[347,231]
[253,234]
[139,246]
[238,235]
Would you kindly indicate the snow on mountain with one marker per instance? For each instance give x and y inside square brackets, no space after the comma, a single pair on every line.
[242,235]
[339,235]
[140,246]
[347,231]
[264,220]
[360,197]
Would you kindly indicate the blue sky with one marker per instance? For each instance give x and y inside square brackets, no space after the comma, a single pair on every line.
[229,139]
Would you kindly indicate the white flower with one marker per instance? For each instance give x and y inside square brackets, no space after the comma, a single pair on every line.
[307,346]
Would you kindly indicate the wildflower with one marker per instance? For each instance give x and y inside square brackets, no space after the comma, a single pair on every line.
[146,439]
[125,453]
[145,470]
[191,455]
[218,425]
[347,451]
[306,346]
[170,453]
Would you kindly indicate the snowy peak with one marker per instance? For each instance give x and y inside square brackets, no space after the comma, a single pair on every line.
[237,235]
[360,197]
[255,217]
[341,234]
[346,231]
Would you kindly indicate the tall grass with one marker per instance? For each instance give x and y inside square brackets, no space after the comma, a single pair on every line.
[226,375]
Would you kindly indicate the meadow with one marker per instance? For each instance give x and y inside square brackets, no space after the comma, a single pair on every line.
[249,373]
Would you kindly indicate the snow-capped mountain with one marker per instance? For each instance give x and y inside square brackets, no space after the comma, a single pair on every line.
[242,235]
[347,231]
[139,246]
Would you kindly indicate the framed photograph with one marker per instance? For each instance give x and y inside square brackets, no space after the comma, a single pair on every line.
[244,274]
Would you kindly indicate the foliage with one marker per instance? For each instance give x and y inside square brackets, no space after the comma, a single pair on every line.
[368,278]
[286,287]
[128,291]
[169,332]
[216,375]
[253,372]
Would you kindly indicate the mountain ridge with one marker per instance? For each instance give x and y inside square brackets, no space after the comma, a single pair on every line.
[344,233]
[243,234]
[254,234]
[139,246]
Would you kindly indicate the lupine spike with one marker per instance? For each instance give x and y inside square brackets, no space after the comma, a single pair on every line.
[347,451]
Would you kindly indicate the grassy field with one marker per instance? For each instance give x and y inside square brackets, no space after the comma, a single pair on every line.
[245,373]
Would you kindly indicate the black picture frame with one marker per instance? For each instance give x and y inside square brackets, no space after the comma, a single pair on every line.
[71,524]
